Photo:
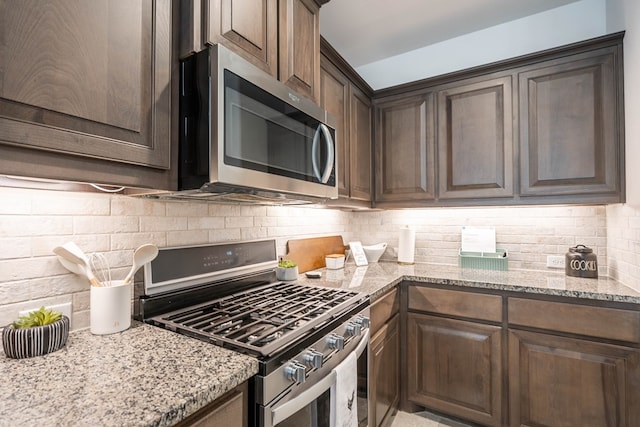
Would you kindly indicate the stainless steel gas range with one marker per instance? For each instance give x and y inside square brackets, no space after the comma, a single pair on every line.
[227,294]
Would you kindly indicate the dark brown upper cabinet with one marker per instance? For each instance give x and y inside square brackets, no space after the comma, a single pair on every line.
[299,46]
[569,128]
[86,91]
[347,99]
[282,37]
[248,27]
[544,128]
[334,97]
[405,149]
[360,140]
[475,139]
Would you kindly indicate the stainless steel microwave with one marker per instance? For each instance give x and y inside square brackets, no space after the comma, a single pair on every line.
[246,137]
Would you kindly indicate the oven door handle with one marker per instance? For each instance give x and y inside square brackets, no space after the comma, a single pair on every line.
[362,345]
[286,410]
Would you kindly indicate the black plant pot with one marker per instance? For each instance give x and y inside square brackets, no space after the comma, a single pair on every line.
[36,341]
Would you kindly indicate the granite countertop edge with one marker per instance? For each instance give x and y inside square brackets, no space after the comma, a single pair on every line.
[378,278]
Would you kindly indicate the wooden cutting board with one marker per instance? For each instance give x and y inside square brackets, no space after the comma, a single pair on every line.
[309,253]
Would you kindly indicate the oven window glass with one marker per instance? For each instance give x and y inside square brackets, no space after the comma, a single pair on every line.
[264,133]
[315,414]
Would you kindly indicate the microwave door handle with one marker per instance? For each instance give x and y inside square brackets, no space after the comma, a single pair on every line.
[330,150]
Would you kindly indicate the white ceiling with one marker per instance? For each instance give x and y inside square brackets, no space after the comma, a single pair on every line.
[366,31]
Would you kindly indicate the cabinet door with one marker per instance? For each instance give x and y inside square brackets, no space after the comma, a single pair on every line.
[248,27]
[334,97]
[555,381]
[384,387]
[475,139]
[405,169]
[455,367]
[85,80]
[569,118]
[299,46]
[360,140]
[229,410]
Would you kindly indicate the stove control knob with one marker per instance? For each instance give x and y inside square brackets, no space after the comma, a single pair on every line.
[313,359]
[335,342]
[295,372]
[363,321]
[353,329]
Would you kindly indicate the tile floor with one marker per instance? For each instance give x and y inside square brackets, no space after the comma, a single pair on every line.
[424,419]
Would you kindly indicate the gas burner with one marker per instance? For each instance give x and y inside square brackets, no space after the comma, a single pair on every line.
[264,319]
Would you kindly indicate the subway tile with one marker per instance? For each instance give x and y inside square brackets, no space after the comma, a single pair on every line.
[43,246]
[81,300]
[265,221]
[20,226]
[16,291]
[238,222]
[162,223]
[15,247]
[205,223]
[14,204]
[131,206]
[227,234]
[30,268]
[65,284]
[223,210]
[133,240]
[79,205]
[187,237]
[105,224]
[191,209]
[253,233]
[256,211]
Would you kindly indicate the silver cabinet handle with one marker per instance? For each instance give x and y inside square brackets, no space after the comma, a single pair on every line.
[326,173]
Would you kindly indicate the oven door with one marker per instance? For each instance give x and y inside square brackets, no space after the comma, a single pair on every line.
[312,408]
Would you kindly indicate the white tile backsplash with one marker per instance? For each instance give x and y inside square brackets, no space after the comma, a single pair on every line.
[33,222]
[623,244]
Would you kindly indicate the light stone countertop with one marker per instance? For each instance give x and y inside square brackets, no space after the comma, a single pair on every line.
[376,278]
[147,376]
[144,376]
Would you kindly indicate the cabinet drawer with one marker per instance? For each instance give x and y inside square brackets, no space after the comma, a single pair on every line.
[384,308]
[576,319]
[456,303]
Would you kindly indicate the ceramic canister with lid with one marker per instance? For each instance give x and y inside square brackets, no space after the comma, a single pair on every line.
[580,261]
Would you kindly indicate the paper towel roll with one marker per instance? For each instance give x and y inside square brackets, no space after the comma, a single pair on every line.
[406,245]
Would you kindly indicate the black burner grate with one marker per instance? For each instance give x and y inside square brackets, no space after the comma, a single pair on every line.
[261,320]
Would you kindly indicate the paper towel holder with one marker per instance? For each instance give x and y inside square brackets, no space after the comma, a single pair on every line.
[406,246]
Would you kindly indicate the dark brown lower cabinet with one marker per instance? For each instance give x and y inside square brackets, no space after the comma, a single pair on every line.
[455,367]
[385,372]
[560,381]
[230,410]
[499,358]
[384,359]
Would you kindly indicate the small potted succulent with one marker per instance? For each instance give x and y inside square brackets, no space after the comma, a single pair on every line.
[40,332]
[287,270]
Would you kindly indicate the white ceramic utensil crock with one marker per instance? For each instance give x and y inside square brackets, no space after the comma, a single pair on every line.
[110,307]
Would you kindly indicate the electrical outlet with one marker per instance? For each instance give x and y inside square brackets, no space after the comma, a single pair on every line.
[555,261]
[65,309]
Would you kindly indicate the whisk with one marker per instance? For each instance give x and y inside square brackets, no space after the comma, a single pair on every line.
[101,268]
